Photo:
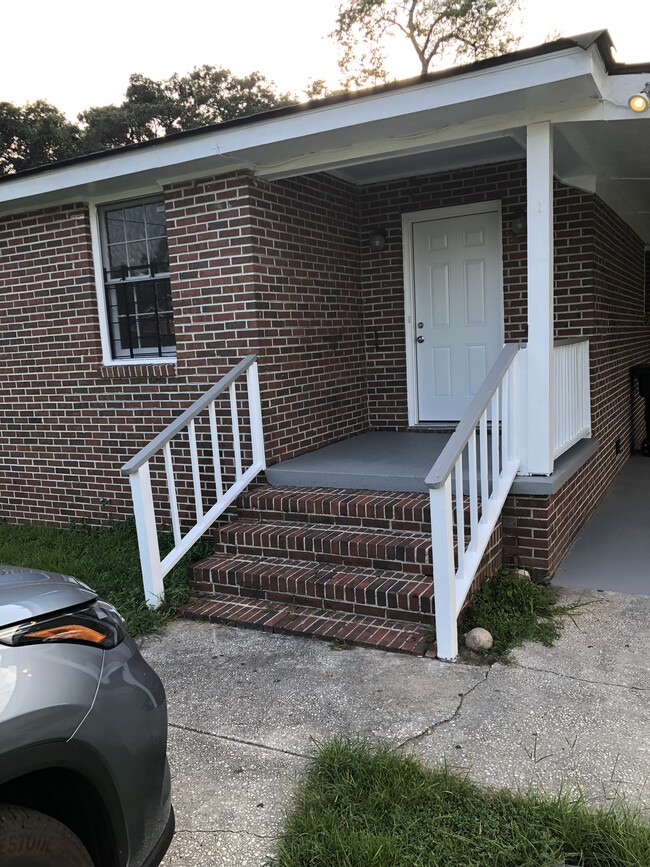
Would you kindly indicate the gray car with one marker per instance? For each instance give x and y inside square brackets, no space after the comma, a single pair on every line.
[84,778]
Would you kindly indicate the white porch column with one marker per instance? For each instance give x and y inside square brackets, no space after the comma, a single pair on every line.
[538,458]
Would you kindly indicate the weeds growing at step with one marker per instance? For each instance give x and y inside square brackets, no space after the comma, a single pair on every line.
[514,610]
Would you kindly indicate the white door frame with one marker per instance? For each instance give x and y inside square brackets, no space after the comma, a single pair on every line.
[408,219]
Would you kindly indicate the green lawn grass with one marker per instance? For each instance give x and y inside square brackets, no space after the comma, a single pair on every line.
[370,807]
[105,558]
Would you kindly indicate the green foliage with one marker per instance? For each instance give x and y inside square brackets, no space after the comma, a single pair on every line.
[437,30]
[105,558]
[515,610]
[152,109]
[38,133]
[34,134]
[369,807]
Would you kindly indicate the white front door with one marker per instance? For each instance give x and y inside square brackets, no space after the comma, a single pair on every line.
[458,310]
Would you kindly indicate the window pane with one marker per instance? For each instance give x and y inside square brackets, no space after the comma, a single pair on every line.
[158,255]
[116,259]
[138,259]
[164,292]
[155,216]
[146,300]
[134,223]
[115,226]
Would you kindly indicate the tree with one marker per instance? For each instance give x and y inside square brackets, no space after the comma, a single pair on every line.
[449,30]
[34,134]
[152,109]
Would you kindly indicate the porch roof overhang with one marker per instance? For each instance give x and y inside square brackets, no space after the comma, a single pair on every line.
[470,115]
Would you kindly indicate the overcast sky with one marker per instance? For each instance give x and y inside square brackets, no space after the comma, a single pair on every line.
[76,54]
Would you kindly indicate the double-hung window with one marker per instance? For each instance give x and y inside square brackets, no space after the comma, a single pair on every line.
[136,279]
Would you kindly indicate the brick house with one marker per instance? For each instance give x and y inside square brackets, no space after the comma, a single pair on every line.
[375,251]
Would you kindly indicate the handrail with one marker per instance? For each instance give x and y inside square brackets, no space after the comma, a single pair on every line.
[461,530]
[441,470]
[178,424]
[153,568]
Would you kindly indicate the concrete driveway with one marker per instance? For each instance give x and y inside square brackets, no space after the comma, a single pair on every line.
[246,709]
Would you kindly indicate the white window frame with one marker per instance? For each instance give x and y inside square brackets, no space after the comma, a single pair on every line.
[94,206]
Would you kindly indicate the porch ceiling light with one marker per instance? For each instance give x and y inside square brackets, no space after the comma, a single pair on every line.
[640,101]
[377,240]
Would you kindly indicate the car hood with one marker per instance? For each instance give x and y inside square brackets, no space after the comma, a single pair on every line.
[28,593]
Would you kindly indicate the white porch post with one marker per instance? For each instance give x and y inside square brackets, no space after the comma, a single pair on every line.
[538,455]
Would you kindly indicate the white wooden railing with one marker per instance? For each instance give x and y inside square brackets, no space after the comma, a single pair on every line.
[483,466]
[138,469]
[572,393]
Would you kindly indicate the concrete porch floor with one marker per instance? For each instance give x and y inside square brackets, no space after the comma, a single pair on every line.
[612,551]
[400,461]
[375,461]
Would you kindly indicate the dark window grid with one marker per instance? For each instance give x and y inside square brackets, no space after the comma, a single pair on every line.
[156,269]
[125,295]
[158,233]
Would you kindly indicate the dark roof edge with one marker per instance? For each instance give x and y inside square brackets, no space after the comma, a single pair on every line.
[600,38]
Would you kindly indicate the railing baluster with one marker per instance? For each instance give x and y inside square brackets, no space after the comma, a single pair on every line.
[473,487]
[235,431]
[216,450]
[495,435]
[483,462]
[171,491]
[505,418]
[196,473]
[460,514]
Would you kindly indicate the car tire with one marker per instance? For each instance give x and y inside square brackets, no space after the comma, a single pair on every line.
[32,839]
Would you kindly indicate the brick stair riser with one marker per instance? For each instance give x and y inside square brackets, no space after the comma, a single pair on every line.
[412,556]
[303,622]
[395,597]
[316,506]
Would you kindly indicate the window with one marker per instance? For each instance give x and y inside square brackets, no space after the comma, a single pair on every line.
[136,279]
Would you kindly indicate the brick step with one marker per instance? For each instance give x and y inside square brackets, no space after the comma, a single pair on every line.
[394,550]
[357,590]
[370,509]
[304,621]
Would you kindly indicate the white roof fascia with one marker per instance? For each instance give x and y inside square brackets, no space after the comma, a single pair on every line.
[471,86]
[462,133]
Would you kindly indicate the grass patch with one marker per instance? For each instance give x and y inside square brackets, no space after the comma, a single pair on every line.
[105,558]
[367,807]
[514,610]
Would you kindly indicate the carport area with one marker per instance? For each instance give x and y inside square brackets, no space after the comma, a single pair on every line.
[612,552]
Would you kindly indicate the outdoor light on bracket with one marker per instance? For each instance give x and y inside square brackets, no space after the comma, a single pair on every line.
[640,101]
[377,240]
[518,223]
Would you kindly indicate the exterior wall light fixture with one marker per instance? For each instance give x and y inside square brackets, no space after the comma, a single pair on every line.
[518,223]
[640,101]
[377,240]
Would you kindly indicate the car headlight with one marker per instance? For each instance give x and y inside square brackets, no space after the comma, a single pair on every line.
[97,624]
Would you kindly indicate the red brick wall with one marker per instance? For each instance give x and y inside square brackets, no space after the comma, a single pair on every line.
[311,346]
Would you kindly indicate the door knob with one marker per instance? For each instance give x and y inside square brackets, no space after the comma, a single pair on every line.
[420,339]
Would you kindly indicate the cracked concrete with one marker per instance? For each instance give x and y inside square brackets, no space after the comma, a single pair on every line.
[246,709]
